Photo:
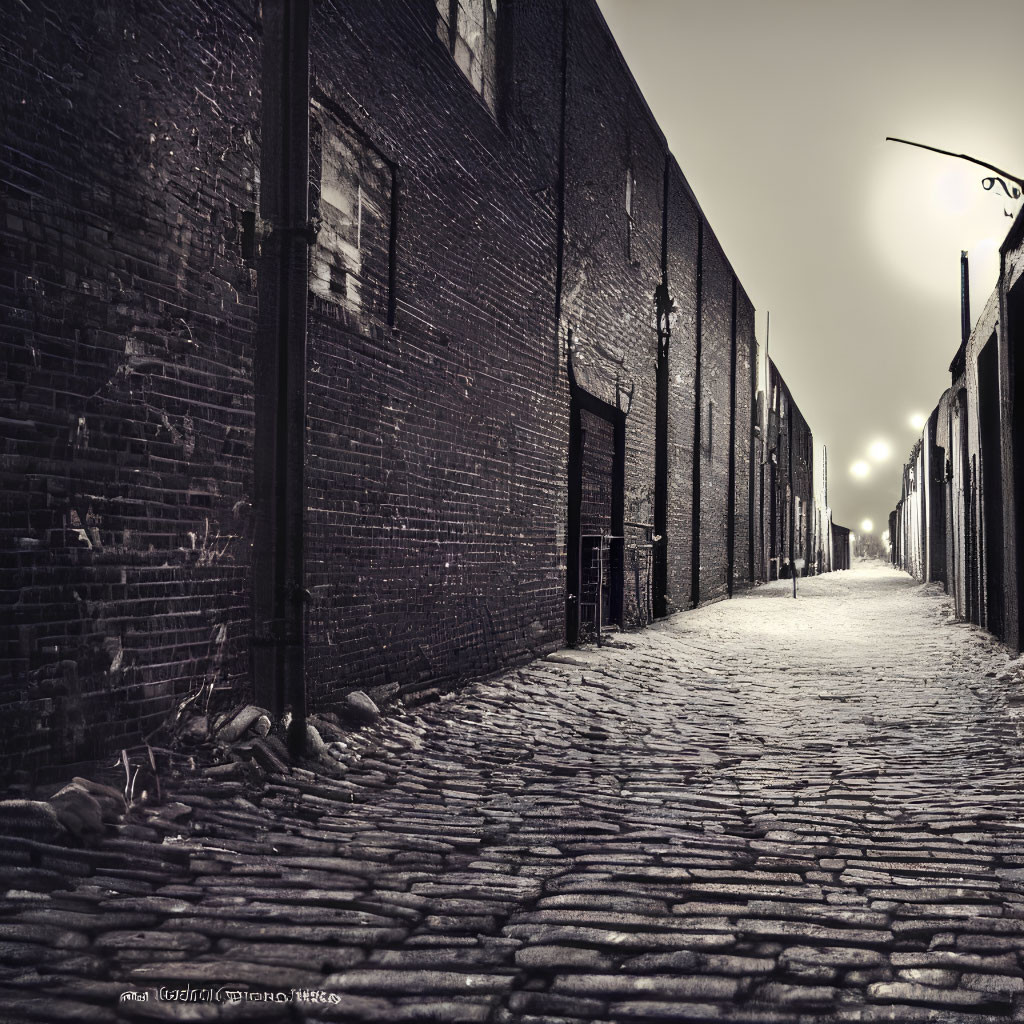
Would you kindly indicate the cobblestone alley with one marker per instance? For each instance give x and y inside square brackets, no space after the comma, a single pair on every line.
[761,810]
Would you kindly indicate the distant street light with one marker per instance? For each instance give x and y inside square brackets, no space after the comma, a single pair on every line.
[879,450]
[867,525]
[917,421]
[860,469]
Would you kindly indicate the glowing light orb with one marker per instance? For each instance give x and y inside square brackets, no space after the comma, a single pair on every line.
[866,525]
[917,421]
[879,450]
[923,208]
[860,469]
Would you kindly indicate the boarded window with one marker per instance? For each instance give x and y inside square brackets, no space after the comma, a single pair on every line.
[469,28]
[352,196]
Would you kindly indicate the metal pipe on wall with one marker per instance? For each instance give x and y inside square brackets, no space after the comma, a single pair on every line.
[280,599]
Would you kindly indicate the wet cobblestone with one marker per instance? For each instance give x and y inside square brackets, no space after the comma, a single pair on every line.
[762,810]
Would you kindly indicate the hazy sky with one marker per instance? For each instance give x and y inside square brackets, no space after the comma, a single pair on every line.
[777,111]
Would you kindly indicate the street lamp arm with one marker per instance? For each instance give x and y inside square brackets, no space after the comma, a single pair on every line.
[960,156]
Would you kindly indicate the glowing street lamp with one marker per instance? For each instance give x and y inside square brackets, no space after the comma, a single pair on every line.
[879,450]
[860,469]
[867,525]
[917,421]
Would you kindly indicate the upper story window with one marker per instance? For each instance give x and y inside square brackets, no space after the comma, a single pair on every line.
[469,28]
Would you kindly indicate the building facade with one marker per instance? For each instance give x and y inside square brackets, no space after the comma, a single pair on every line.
[957,522]
[356,346]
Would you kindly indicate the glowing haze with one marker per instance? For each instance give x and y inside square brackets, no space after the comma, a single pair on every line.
[777,113]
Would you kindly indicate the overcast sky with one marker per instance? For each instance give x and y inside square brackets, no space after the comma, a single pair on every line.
[777,111]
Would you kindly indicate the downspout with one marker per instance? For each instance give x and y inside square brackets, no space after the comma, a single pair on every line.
[280,598]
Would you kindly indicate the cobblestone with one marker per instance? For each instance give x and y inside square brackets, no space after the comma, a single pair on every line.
[762,810]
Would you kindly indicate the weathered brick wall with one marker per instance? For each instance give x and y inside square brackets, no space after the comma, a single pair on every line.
[615,161]
[128,309]
[910,514]
[438,445]
[935,494]
[716,354]
[984,331]
[789,440]
[1011,369]
[746,353]
[803,479]
[961,546]
[683,215]
[437,418]
[943,546]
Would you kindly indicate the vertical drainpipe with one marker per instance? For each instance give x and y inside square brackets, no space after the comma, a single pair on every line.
[664,306]
[279,595]
[730,524]
[698,404]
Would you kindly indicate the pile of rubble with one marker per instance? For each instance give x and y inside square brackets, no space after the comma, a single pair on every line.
[240,745]
[249,735]
[79,811]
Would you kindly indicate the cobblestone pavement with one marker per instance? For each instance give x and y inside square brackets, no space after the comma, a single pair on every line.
[762,810]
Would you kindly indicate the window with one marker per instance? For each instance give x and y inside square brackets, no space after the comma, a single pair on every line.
[469,28]
[352,198]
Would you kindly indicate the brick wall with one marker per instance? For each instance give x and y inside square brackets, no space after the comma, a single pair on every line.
[683,215]
[453,218]
[1011,341]
[790,446]
[127,310]
[437,443]
[716,333]
[746,356]
[967,533]
[615,160]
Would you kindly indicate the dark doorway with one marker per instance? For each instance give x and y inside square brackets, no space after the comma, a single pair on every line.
[594,581]
[991,484]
